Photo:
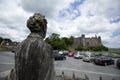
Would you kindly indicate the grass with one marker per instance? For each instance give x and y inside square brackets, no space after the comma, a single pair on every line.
[117,51]
[4,48]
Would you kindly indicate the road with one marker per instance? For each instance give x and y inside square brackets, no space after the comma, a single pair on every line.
[81,68]
[69,66]
[6,61]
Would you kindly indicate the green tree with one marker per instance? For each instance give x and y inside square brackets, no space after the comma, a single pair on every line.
[92,48]
[61,45]
[55,41]
[1,39]
[68,41]
[71,40]
[79,48]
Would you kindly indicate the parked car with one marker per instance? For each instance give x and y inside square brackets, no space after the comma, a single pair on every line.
[65,53]
[103,60]
[115,55]
[71,54]
[118,63]
[13,50]
[92,57]
[88,53]
[87,58]
[58,56]
[78,55]
[60,52]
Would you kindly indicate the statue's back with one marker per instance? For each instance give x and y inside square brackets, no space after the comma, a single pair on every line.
[33,59]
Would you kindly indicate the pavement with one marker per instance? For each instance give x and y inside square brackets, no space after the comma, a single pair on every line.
[6,61]
[69,66]
[80,68]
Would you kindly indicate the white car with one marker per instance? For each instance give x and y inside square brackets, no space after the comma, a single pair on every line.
[79,55]
[87,58]
[60,52]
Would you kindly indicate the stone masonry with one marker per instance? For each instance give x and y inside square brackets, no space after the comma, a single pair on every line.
[83,41]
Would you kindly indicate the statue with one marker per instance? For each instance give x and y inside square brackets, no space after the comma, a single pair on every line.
[33,58]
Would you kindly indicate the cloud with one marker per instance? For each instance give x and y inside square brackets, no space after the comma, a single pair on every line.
[48,8]
[107,8]
[13,20]
[115,20]
[94,20]
[65,17]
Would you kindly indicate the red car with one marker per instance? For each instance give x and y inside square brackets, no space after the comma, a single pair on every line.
[71,54]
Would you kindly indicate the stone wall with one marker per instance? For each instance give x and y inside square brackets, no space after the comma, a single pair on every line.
[83,41]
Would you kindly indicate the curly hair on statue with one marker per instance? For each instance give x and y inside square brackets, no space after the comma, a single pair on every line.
[36,22]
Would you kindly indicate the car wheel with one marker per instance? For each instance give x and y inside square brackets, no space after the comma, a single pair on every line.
[89,61]
[105,63]
[93,62]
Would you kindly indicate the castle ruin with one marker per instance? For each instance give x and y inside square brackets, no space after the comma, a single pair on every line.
[84,41]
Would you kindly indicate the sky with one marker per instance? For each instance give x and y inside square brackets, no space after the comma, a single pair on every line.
[65,17]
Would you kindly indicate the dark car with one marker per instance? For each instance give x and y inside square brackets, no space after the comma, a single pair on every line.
[65,53]
[103,60]
[13,50]
[58,56]
[118,63]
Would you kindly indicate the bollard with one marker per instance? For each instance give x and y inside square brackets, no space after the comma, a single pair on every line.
[113,78]
[62,75]
[73,76]
[100,77]
[86,77]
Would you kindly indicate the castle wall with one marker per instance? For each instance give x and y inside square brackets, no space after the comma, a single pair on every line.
[83,41]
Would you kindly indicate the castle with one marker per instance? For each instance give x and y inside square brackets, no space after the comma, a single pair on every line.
[83,41]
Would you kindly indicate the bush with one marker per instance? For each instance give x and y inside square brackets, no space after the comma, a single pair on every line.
[92,48]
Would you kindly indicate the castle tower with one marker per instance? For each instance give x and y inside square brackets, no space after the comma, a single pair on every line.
[99,40]
[83,39]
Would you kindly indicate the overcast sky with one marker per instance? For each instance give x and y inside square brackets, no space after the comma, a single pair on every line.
[65,17]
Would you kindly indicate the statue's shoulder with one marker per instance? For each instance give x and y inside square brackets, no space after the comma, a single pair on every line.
[48,49]
[48,45]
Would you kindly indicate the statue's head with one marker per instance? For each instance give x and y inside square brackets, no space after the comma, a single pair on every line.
[37,24]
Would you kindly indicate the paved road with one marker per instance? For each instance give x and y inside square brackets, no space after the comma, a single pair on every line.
[81,68]
[6,61]
[69,66]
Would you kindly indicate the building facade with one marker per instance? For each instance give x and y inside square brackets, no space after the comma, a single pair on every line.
[84,41]
[8,42]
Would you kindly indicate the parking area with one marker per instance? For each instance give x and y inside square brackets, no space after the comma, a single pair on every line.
[69,66]
[81,68]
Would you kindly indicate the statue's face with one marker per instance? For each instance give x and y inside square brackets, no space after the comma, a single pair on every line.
[37,24]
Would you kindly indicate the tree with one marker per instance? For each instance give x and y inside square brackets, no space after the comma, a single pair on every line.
[1,39]
[61,45]
[71,40]
[79,48]
[68,41]
[56,42]
[92,48]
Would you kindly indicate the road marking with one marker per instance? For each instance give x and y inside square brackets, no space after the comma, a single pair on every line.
[69,69]
[7,63]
